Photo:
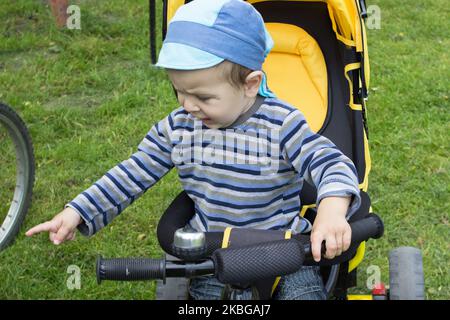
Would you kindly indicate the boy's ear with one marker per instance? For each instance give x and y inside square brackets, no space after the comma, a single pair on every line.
[252,83]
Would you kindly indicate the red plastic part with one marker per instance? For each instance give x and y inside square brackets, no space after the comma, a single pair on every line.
[379,289]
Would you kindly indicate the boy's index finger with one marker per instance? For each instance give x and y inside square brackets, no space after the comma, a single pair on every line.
[46,226]
[316,246]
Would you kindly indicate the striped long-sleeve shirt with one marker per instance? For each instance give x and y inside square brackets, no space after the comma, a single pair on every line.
[249,174]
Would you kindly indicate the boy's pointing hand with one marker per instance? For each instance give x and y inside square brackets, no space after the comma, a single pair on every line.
[61,228]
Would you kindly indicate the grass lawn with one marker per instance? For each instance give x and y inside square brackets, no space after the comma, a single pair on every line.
[89,96]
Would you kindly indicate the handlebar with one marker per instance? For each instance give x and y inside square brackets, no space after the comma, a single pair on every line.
[233,265]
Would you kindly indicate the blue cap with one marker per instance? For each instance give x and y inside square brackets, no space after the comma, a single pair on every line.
[203,33]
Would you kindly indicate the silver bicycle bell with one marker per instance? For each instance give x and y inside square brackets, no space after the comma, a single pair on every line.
[189,244]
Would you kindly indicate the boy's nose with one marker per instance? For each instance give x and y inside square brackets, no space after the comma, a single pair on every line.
[190,106]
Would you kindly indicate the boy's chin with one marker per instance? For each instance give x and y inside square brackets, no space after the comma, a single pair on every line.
[212,125]
[216,125]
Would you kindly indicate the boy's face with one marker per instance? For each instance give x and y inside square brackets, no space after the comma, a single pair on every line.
[210,97]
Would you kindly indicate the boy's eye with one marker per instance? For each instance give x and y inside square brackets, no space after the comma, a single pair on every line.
[201,98]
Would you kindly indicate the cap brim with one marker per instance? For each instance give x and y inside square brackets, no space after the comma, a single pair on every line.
[183,57]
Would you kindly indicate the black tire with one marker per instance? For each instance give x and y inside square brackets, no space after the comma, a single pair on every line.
[406,280]
[25,170]
[174,289]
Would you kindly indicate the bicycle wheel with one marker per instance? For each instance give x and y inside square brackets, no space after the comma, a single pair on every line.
[406,277]
[16,174]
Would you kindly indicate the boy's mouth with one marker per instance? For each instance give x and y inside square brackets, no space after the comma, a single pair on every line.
[202,119]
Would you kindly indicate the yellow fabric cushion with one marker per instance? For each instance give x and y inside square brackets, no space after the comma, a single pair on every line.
[296,72]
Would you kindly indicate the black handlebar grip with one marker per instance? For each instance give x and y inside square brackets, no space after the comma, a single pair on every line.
[251,263]
[130,269]
[370,227]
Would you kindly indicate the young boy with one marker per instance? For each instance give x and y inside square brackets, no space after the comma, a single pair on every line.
[213,54]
